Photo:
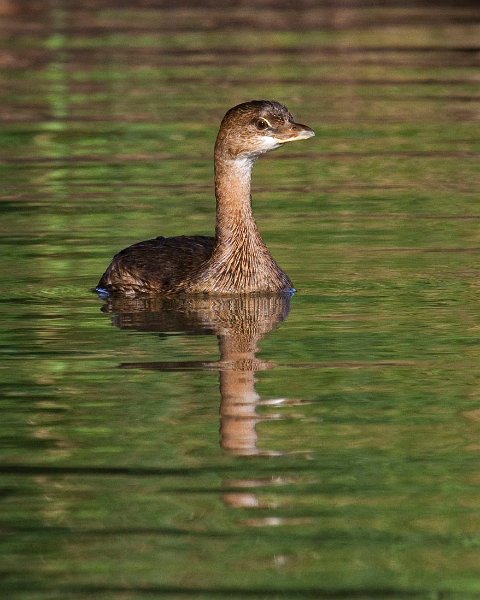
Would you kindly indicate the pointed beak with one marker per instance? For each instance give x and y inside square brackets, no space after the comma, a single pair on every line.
[293,132]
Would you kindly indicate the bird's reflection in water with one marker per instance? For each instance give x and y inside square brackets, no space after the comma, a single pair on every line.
[239,323]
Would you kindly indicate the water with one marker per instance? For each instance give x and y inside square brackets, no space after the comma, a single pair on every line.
[321,446]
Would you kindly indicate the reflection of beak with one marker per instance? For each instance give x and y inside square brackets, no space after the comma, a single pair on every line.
[293,132]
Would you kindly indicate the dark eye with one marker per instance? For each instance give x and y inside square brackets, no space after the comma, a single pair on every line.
[262,124]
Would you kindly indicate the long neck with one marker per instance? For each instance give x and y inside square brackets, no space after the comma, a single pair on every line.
[234,205]
[240,261]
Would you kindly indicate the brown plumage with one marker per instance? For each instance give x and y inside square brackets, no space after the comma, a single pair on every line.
[236,260]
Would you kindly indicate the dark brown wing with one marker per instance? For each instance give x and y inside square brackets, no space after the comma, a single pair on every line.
[156,265]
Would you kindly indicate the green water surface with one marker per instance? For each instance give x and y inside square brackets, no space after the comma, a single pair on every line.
[359,473]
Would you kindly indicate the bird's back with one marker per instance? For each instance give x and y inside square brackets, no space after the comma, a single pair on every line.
[156,265]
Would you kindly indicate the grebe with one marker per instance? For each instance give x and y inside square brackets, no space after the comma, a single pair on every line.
[236,260]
